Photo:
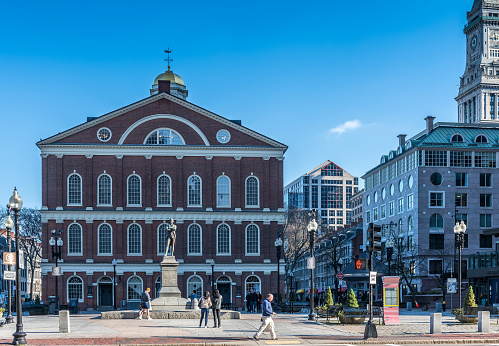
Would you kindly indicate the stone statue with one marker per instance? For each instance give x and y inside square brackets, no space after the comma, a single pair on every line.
[172,236]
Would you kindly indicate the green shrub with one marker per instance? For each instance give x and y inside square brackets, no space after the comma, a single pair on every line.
[469,301]
[351,301]
[329,298]
[37,300]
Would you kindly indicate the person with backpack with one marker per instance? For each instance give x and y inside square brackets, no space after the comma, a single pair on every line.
[205,305]
[217,306]
[145,302]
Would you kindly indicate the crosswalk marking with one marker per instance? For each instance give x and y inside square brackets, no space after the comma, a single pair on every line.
[282,342]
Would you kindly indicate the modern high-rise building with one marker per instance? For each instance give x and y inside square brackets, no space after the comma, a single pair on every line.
[328,188]
[479,88]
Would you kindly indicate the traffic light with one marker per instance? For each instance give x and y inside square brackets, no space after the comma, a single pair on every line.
[374,238]
[360,263]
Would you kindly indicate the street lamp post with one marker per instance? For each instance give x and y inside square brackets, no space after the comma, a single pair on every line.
[212,275]
[459,230]
[312,228]
[114,282]
[9,224]
[389,254]
[57,254]
[278,247]
[16,203]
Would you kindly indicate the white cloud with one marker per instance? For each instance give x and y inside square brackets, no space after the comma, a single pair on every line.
[348,125]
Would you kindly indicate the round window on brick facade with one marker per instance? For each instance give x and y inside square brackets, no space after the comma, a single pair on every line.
[104,134]
[223,136]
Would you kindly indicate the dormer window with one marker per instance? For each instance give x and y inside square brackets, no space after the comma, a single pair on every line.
[383,159]
[164,137]
[408,145]
[457,138]
[481,139]
[400,150]
[390,156]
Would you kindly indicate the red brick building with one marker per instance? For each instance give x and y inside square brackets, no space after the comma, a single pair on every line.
[113,182]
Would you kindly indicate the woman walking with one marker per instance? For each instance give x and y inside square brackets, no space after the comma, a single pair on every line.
[205,305]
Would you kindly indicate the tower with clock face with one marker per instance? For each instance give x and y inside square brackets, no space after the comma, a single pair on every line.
[479,87]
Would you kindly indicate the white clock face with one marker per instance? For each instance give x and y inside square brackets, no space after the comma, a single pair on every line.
[223,136]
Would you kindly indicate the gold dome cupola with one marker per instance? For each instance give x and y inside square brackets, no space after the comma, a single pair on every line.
[169,82]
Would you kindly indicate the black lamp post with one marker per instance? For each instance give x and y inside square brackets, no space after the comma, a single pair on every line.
[278,247]
[312,228]
[114,282]
[212,275]
[9,224]
[459,230]
[16,203]
[57,254]
[389,254]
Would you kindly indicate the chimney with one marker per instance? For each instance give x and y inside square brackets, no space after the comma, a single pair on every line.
[164,86]
[429,124]
[401,139]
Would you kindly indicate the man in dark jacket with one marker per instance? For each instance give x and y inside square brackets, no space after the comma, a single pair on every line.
[216,306]
[253,299]
[267,314]
[248,302]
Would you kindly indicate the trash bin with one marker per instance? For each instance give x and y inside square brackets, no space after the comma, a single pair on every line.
[52,304]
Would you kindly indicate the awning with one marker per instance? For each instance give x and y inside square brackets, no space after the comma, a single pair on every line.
[300,291]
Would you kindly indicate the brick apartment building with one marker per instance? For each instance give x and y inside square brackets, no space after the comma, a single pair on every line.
[112,183]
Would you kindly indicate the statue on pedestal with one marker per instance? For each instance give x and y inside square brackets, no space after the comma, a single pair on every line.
[172,236]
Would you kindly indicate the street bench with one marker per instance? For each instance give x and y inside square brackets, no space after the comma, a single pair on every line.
[331,311]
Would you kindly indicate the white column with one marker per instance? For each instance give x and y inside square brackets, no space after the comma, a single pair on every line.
[487,106]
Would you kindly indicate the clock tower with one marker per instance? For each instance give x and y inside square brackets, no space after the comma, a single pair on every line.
[479,87]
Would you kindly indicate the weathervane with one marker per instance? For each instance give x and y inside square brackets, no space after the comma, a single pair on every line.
[168,60]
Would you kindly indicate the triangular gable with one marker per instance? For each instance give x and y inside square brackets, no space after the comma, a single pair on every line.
[324,164]
[155,98]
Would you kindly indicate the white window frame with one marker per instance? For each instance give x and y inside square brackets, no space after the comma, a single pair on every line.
[436,230]
[200,191]
[246,240]
[375,214]
[230,193]
[98,240]
[128,240]
[128,191]
[81,240]
[80,300]
[98,191]
[246,192]
[200,253]
[157,190]
[141,290]
[400,205]
[246,291]
[382,209]
[230,241]
[157,137]
[410,201]
[443,199]
[81,190]
[189,287]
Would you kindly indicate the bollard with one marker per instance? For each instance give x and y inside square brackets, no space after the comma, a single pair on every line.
[195,303]
[483,321]
[64,321]
[436,323]
[409,306]
[438,307]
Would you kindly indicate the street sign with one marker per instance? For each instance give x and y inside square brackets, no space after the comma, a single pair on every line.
[9,258]
[310,262]
[340,276]
[372,278]
[451,285]
[56,271]
[9,275]
[340,283]
[21,259]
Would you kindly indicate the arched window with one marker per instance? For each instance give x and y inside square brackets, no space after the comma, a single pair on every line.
[194,246]
[164,190]
[134,190]
[457,138]
[194,191]
[223,239]
[162,237]
[105,239]
[134,240]
[157,286]
[436,222]
[104,190]
[410,224]
[252,240]
[74,189]
[401,226]
[252,283]
[481,139]
[164,137]
[223,191]
[74,239]
[134,288]
[195,283]
[75,288]
[252,192]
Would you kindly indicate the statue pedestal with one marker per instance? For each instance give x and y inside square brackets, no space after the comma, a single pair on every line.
[169,296]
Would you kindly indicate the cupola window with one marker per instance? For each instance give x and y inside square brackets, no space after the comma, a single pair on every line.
[481,139]
[164,137]
[457,138]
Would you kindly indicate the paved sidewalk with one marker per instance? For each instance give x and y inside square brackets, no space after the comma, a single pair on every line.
[89,329]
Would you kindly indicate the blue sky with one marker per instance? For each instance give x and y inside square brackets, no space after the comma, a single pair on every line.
[332,79]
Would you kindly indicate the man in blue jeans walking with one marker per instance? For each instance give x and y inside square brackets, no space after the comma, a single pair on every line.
[267,314]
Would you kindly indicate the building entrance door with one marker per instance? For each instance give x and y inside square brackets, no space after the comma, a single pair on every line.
[224,289]
[105,294]
[495,291]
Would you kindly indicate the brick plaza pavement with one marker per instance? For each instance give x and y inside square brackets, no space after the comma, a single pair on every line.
[89,329]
